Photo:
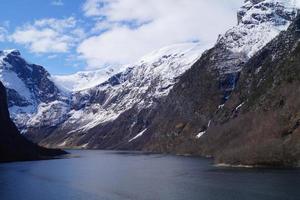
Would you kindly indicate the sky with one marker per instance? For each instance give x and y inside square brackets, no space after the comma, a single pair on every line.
[66,36]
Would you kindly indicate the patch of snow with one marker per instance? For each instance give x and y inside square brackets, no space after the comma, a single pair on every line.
[199,135]
[138,135]
[62,144]
[221,106]
[209,122]
[84,146]
[11,80]
[239,106]
[258,70]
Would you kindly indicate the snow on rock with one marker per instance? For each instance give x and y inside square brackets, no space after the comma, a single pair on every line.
[138,85]
[199,135]
[43,116]
[32,97]
[138,135]
[88,99]
[11,80]
[239,106]
[82,80]
[259,21]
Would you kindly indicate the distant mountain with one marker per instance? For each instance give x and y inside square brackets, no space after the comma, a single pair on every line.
[49,113]
[30,90]
[13,146]
[117,108]
[82,80]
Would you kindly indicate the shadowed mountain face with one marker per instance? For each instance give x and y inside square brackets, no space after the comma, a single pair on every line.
[13,146]
[258,125]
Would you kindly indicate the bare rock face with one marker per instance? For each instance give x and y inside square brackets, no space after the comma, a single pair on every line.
[13,146]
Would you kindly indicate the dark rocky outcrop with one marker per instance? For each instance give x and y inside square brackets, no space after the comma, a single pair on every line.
[13,146]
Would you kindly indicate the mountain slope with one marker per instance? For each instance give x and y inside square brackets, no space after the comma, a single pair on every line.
[109,115]
[259,125]
[82,80]
[29,89]
[129,111]
[186,114]
[13,147]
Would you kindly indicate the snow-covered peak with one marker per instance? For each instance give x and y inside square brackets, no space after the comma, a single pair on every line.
[165,65]
[27,85]
[138,86]
[82,80]
[182,49]
[161,66]
[183,53]
[259,22]
[277,12]
[10,51]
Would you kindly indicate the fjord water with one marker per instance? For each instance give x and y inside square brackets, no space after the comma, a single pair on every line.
[106,175]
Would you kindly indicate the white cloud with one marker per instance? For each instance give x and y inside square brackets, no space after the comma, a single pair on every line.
[139,27]
[57,3]
[3,34]
[49,35]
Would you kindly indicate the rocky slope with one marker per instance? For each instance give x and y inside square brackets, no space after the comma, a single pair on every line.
[185,115]
[13,146]
[259,125]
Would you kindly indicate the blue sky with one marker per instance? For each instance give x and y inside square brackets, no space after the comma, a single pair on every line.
[66,36]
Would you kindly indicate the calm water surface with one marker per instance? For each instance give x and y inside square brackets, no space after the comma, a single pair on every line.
[108,175]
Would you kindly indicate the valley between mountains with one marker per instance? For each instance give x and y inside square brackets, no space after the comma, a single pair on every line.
[237,101]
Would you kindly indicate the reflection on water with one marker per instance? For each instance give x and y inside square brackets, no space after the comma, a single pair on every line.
[89,175]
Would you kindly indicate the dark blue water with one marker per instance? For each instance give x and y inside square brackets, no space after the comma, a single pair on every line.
[117,176]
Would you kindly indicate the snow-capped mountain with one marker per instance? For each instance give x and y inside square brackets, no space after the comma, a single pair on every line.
[140,84]
[82,80]
[138,87]
[259,21]
[185,115]
[41,103]
[99,110]
[28,85]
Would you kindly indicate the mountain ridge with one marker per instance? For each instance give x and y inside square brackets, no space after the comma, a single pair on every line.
[169,101]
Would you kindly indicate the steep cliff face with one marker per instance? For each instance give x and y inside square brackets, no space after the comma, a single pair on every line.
[29,90]
[259,125]
[186,114]
[13,146]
